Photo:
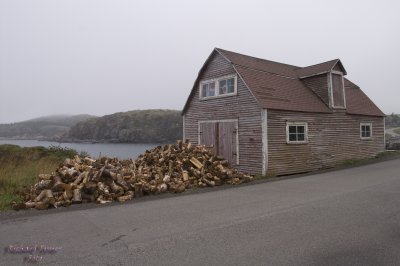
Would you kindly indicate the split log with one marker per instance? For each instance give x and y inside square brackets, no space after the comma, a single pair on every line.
[79,179]
[41,205]
[166,179]
[44,184]
[180,188]
[185,175]
[30,204]
[127,196]
[41,196]
[120,181]
[87,197]
[77,196]
[208,182]
[138,189]
[58,184]
[116,189]
[67,194]
[162,188]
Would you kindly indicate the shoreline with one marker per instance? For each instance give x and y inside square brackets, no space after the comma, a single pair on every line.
[83,141]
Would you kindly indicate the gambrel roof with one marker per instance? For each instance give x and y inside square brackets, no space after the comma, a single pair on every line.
[279,86]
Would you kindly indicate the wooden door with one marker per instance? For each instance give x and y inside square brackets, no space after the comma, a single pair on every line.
[222,138]
[208,135]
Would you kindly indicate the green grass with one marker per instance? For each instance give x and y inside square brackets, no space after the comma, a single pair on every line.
[379,156]
[346,163]
[270,174]
[19,168]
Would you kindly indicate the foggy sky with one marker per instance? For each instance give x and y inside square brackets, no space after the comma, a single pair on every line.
[100,57]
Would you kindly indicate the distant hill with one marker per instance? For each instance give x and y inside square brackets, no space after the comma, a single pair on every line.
[46,127]
[139,126]
[392,120]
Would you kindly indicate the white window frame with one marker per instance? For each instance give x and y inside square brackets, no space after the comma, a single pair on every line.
[331,90]
[370,126]
[217,80]
[305,124]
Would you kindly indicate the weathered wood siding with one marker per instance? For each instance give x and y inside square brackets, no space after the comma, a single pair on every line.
[332,139]
[319,85]
[337,68]
[242,106]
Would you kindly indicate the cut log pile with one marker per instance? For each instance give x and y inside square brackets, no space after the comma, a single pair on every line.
[168,168]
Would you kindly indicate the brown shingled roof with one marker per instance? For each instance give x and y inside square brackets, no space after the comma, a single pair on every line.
[260,64]
[358,102]
[277,92]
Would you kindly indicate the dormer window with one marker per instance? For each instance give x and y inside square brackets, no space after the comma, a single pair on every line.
[338,99]
[220,87]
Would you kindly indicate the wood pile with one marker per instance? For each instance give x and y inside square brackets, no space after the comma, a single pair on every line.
[168,168]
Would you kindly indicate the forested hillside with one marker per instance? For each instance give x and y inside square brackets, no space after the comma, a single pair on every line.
[140,126]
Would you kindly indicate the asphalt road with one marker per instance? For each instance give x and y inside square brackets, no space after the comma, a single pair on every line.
[346,217]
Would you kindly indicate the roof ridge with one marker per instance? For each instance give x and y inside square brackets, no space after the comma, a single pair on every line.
[263,71]
[258,58]
[337,60]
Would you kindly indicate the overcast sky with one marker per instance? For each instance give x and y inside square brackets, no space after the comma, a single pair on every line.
[100,57]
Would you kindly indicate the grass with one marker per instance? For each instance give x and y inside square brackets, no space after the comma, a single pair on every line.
[397,130]
[19,168]
[380,156]
[270,174]
[346,163]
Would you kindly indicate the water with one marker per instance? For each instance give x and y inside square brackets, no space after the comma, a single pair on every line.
[119,150]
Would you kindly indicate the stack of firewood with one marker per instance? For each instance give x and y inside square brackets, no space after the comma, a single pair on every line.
[168,168]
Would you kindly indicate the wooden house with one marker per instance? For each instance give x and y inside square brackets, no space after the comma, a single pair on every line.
[268,117]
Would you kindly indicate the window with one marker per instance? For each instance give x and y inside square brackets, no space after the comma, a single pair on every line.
[224,86]
[365,130]
[296,132]
[208,89]
[338,97]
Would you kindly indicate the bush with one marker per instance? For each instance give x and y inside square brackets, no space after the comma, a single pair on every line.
[19,168]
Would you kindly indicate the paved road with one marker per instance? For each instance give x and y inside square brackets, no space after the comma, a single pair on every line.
[347,217]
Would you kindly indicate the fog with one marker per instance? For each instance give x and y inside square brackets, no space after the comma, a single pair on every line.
[100,57]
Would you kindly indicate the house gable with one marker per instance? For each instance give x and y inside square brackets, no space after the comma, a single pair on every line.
[241,107]
[216,66]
